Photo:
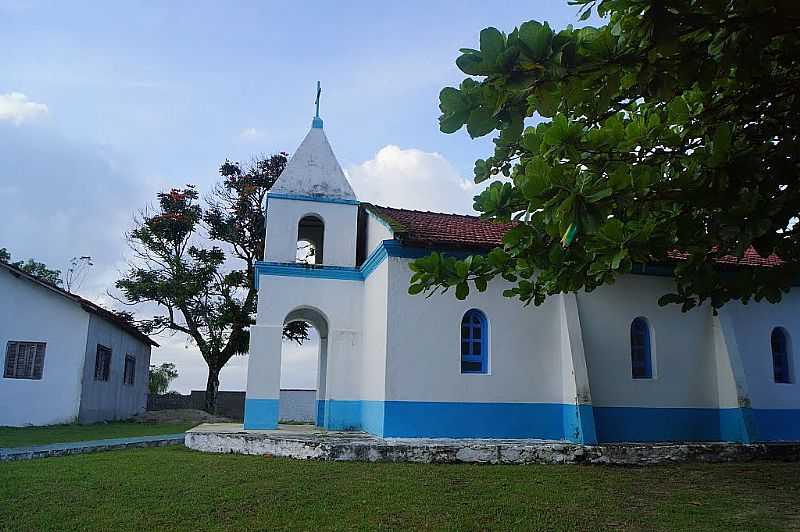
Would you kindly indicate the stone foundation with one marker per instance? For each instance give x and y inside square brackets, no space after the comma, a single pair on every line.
[311,443]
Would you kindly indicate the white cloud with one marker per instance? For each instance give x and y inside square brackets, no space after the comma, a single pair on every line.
[15,107]
[250,134]
[412,179]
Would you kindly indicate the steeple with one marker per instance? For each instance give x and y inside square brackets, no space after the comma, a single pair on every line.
[313,171]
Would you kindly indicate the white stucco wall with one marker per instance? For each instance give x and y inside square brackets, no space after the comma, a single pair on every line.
[682,345]
[377,232]
[423,360]
[374,318]
[32,313]
[339,301]
[283,216]
[752,325]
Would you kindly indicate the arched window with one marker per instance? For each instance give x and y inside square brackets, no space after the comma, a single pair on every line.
[310,239]
[474,343]
[641,356]
[781,364]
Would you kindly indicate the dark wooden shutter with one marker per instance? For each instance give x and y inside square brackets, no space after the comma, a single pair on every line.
[38,361]
[30,354]
[11,360]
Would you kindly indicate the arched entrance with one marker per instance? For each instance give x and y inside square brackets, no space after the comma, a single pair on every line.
[319,322]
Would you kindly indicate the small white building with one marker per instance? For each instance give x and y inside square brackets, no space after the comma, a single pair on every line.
[606,366]
[66,358]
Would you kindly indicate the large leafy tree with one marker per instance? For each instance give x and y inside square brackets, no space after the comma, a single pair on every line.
[203,281]
[668,135]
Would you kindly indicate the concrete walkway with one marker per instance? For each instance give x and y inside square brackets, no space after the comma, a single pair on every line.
[89,446]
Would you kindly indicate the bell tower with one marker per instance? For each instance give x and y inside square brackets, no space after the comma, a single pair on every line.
[312,211]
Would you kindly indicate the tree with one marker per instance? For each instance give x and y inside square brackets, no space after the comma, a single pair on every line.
[670,135]
[32,267]
[205,293]
[160,377]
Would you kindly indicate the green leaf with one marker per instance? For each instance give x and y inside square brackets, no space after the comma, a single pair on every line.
[678,111]
[536,39]
[493,43]
[415,289]
[546,99]
[462,291]
[472,64]
[481,284]
[480,122]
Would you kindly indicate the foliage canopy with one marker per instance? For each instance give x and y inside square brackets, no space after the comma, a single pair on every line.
[674,127]
[204,292]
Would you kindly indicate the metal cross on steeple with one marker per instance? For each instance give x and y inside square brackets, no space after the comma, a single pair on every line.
[317,122]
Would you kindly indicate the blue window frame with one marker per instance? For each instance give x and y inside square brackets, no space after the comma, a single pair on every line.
[781,366]
[474,343]
[641,356]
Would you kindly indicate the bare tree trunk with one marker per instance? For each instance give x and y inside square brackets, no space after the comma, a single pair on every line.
[212,386]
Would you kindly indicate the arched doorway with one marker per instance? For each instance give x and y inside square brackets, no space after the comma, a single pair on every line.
[317,320]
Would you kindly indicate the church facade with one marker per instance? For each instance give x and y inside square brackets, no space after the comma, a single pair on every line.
[599,367]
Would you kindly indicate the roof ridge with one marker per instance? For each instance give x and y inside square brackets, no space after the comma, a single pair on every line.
[430,212]
[94,307]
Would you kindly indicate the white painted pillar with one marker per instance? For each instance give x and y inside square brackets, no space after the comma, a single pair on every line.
[736,418]
[262,400]
[578,414]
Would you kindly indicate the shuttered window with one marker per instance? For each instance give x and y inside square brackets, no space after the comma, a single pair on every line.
[24,360]
[129,376]
[102,363]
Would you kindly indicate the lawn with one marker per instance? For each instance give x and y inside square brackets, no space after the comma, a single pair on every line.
[23,436]
[175,488]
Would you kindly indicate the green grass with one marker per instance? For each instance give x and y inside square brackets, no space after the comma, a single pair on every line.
[177,489]
[23,436]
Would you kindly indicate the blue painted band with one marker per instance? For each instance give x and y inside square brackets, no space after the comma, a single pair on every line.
[415,419]
[773,425]
[281,269]
[642,424]
[318,199]
[387,248]
[261,414]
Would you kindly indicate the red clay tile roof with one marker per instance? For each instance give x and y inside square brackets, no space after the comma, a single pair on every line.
[750,258]
[434,229]
[424,228]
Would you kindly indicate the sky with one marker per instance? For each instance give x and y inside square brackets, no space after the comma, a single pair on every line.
[103,105]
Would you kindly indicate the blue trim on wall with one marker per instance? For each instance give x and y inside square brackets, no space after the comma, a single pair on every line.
[318,199]
[642,424]
[579,424]
[261,414]
[550,421]
[414,419]
[320,417]
[387,248]
[289,269]
[411,419]
[776,425]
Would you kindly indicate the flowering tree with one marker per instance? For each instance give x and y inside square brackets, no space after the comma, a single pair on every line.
[204,292]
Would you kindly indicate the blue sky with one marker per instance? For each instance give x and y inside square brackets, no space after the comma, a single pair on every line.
[104,104]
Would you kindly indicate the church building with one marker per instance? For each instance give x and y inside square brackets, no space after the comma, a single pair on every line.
[607,366]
